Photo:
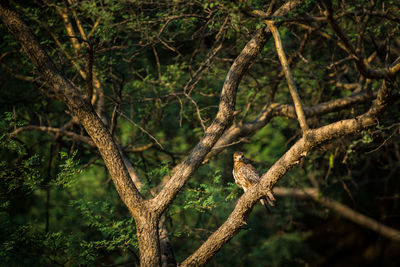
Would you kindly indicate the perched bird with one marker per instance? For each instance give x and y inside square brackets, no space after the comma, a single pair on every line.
[246,175]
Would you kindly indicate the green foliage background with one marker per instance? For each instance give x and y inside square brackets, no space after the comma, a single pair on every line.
[58,204]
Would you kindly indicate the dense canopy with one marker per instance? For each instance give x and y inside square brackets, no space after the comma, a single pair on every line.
[119,121]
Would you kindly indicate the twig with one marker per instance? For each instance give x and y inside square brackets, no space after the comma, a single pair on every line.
[385,141]
[76,136]
[364,69]
[141,128]
[197,112]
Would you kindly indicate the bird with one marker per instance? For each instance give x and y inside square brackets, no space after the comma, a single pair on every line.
[246,175]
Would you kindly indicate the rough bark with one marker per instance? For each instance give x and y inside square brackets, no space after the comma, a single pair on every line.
[148,238]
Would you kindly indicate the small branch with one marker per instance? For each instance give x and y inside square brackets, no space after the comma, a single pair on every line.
[385,141]
[172,18]
[73,135]
[89,71]
[139,149]
[18,76]
[141,128]
[207,63]
[289,77]
[157,62]
[365,70]
[197,111]
[201,70]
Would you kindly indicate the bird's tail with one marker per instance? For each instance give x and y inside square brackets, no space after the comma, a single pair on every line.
[264,203]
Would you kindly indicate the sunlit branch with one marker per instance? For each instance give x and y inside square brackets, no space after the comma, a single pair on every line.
[289,77]
[312,139]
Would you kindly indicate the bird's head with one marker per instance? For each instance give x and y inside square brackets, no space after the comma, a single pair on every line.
[238,156]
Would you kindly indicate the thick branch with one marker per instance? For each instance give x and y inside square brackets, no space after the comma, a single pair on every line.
[72,97]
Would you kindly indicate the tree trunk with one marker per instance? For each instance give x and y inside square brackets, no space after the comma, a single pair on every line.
[148,239]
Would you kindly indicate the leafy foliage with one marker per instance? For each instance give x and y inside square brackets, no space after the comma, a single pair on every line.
[158,87]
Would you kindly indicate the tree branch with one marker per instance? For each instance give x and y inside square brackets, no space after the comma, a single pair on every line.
[365,70]
[238,131]
[289,77]
[312,139]
[184,170]
[72,97]
[60,131]
[341,209]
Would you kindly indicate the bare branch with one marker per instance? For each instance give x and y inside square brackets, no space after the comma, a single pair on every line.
[142,129]
[365,70]
[341,209]
[60,131]
[289,77]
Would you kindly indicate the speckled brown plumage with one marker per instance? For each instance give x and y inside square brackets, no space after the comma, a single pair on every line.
[245,174]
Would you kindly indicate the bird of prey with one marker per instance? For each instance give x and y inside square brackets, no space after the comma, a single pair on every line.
[246,175]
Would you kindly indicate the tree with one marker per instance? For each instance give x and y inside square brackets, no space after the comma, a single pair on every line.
[135,75]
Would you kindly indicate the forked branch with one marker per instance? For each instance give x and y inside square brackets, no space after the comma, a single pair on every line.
[312,139]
